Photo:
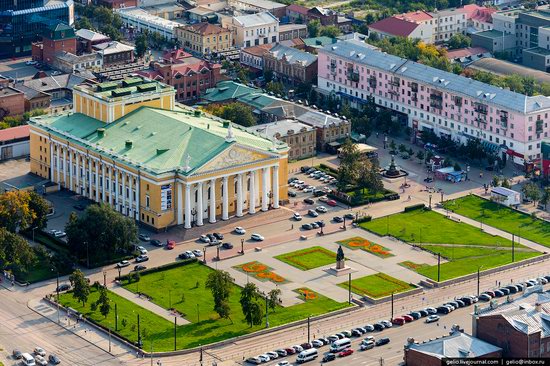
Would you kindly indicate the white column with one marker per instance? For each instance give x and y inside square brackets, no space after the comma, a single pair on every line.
[71,187]
[116,191]
[58,163]
[65,166]
[84,180]
[275,182]
[131,195]
[77,176]
[180,204]
[103,183]
[110,187]
[225,202]
[138,200]
[97,181]
[252,191]
[123,193]
[187,206]
[265,188]
[200,209]
[240,197]
[90,177]
[212,201]
[51,162]
[204,201]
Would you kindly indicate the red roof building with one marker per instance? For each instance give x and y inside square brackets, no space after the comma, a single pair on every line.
[14,142]
[415,16]
[465,52]
[394,27]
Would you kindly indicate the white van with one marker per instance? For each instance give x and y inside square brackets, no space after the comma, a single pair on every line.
[340,345]
[307,355]
[27,360]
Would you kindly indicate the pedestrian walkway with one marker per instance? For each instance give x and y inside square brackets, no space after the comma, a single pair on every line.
[146,304]
[494,231]
[82,329]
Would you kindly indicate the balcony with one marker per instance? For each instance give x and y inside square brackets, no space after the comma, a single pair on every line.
[414,87]
[539,126]
[414,97]
[372,82]
[481,108]
[353,75]
[333,69]
[481,120]
[458,101]
[395,82]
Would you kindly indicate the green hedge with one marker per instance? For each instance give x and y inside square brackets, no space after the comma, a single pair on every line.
[419,206]
[325,168]
[162,268]
[49,241]
[388,196]
[363,219]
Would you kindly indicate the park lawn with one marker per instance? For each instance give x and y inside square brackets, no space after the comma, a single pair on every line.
[465,260]
[377,285]
[308,258]
[425,226]
[501,217]
[166,289]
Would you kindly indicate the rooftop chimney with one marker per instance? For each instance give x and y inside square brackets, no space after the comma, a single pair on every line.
[538,307]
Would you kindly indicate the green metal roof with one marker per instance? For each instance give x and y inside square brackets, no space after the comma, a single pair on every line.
[318,41]
[160,139]
[257,100]
[227,90]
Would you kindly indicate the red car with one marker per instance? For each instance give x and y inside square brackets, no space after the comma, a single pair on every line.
[345,353]
[290,351]
[407,318]
[306,345]
[398,321]
[331,203]
[170,244]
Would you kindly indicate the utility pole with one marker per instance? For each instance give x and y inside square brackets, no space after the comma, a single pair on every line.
[513,258]
[438,266]
[175,332]
[266,312]
[116,317]
[109,340]
[308,329]
[391,306]
[478,281]
[349,288]
[139,333]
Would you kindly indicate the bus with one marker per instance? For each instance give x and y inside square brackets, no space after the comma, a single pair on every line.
[307,355]
[340,345]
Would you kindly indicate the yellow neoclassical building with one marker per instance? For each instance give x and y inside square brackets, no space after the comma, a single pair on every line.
[127,144]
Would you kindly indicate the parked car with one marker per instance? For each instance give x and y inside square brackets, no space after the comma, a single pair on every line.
[298,348]
[197,252]
[142,258]
[349,216]
[321,209]
[54,359]
[379,327]
[227,245]
[366,345]
[141,249]
[314,225]
[369,327]
[63,287]
[257,237]
[40,360]
[485,297]
[156,243]
[170,244]
[332,203]
[337,219]
[386,323]
[144,237]
[292,194]
[432,318]
[312,213]
[272,355]
[290,351]
[431,310]
[382,341]
[309,201]
[345,353]
[254,360]
[17,354]
[307,226]
[329,357]
[264,358]
[399,321]
[139,267]
[297,216]
[239,230]
[317,343]
[323,199]
[123,264]
[416,315]
[423,312]
[281,352]
[306,345]
[39,351]
[204,238]
[443,310]
[218,236]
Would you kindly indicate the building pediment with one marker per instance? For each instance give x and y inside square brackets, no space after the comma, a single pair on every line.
[234,157]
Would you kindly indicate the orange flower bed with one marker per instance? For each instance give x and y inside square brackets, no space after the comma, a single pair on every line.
[364,244]
[260,271]
[307,293]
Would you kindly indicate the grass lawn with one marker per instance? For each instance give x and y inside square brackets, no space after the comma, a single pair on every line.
[424,226]
[377,285]
[466,260]
[308,258]
[501,217]
[166,289]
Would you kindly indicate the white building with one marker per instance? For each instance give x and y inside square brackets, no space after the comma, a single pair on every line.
[253,30]
[14,142]
[505,196]
[140,20]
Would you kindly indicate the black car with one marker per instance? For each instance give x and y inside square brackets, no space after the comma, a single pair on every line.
[466,300]
[17,354]
[291,194]
[499,293]
[329,357]
[227,246]
[423,313]
[349,216]
[443,310]
[139,267]
[379,327]
[321,223]
[416,315]
[307,227]
[382,341]
[304,168]
[218,236]
[460,303]
[319,193]
[513,289]
[356,333]
[504,290]
[314,225]
[54,359]
[156,243]
[63,287]
[309,201]
[337,219]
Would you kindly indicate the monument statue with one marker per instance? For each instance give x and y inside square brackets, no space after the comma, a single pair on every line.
[340,264]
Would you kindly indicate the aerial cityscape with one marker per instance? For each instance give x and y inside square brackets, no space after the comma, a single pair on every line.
[246,182]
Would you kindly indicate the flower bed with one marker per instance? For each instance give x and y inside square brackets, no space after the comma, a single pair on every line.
[261,272]
[309,258]
[306,294]
[413,266]
[368,246]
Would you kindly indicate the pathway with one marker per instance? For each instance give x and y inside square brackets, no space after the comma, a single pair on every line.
[146,304]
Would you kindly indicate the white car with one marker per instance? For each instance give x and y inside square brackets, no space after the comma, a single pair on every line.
[205,239]
[323,198]
[39,360]
[298,349]
[239,230]
[297,216]
[39,351]
[432,318]
[257,237]
[317,343]
[197,252]
[144,237]
[30,63]
[264,358]
[321,209]
[284,363]
[254,360]
[386,323]
[308,190]
[367,345]
[142,250]
[272,355]
[123,264]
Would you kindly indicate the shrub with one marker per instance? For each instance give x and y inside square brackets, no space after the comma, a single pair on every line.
[363,219]
[414,207]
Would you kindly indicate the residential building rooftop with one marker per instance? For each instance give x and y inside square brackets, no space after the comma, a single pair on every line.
[109,48]
[14,133]
[281,128]
[320,41]
[92,36]
[141,15]
[264,4]
[504,68]
[291,26]
[394,26]
[415,16]
[65,81]
[298,9]
[493,34]
[292,55]
[465,52]
[538,51]
[115,90]
[155,140]
[227,90]
[456,345]
[461,85]
[259,50]
[206,29]
[253,20]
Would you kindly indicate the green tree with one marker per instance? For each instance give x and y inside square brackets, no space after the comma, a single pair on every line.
[103,15]
[349,158]
[220,284]
[111,31]
[275,87]
[532,192]
[331,31]
[141,45]
[84,23]
[420,155]
[251,304]
[274,298]
[103,302]
[268,76]
[545,199]
[81,287]
[459,40]
[15,251]
[363,174]
[238,113]
[40,208]
[15,210]
[314,27]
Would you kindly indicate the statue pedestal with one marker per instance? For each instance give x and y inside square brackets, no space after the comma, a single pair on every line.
[335,271]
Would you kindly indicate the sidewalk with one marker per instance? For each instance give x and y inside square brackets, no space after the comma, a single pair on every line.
[82,329]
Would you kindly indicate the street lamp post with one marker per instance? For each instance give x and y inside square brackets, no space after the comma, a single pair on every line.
[430,204]
[119,270]
[217,252]
[391,306]
[513,248]
[438,266]
[441,197]
[204,255]
[266,312]
[478,268]
[242,246]
[104,278]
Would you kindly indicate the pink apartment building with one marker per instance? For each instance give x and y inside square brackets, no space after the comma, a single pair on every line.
[431,99]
